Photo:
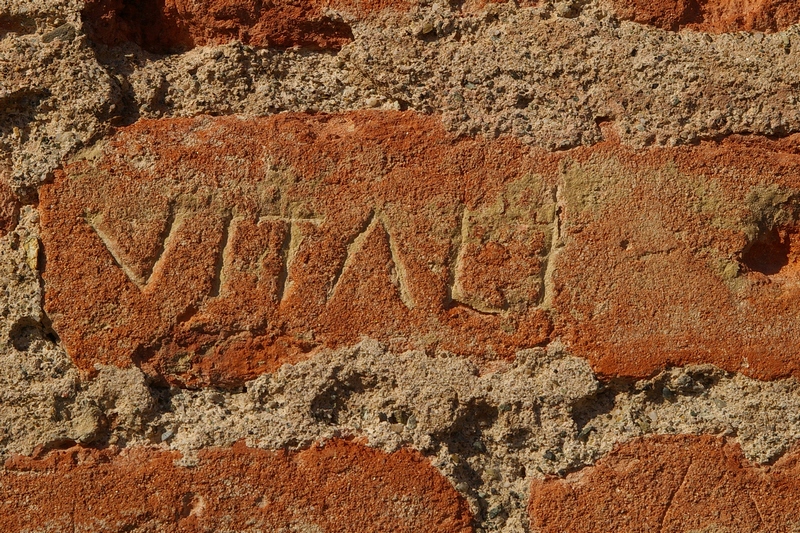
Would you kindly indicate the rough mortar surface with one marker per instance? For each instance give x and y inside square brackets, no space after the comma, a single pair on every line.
[545,74]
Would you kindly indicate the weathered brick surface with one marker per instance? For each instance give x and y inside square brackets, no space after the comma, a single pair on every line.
[175,25]
[672,484]
[338,487]
[212,250]
[681,256]
[714,16]
[9,208]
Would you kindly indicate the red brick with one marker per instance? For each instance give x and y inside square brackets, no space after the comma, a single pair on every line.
[381,224]
[339,487]
[671,484]
[211,250]
[9,209]
[174,25]
[714,16]
[682,256]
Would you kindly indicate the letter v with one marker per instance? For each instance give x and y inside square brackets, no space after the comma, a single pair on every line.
[142,282]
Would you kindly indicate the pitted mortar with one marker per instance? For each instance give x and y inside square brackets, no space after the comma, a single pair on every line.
[548,84]
[54,95]
[547,74]
[489,434]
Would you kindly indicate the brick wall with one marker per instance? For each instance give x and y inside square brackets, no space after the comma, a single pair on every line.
[307,266]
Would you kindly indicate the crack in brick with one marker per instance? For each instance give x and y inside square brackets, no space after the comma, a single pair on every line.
[760,516]
[672,495]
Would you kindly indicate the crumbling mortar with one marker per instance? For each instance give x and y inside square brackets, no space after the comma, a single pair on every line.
[545,413]
[572,66]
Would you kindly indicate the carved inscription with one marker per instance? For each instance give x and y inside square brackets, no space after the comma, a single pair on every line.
[398,276]
[236,251]
[502,248]
[136,275]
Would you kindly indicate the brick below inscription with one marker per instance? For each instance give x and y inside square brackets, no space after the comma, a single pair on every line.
[211,250]
[671,484]
[338,487]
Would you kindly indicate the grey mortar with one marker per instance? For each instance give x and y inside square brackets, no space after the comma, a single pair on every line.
[547,75]
[489,434]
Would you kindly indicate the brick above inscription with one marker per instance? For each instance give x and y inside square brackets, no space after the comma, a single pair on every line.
[169,26]
[208,251]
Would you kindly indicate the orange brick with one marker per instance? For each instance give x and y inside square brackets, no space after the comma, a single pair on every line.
[682,256]
[671,484]
[211,250]
[175,25]
[714,16]
[9,209]
[339,487]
